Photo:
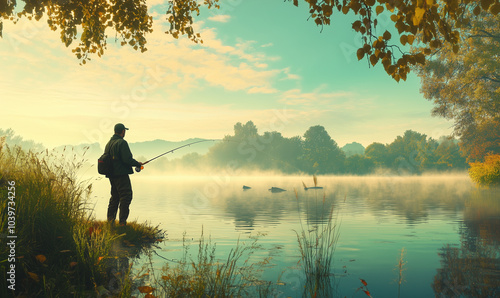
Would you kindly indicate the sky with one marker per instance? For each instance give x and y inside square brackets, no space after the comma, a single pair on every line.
[261,60]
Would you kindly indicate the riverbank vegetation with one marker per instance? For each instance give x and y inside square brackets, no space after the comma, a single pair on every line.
[58,249]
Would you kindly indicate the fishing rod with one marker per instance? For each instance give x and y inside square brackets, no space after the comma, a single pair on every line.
[138,169]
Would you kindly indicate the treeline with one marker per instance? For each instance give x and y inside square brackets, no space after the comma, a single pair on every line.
[317,153]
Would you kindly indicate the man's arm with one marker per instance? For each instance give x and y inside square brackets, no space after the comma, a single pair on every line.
[126,155]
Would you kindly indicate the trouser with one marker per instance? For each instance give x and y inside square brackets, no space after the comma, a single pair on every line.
[121,196]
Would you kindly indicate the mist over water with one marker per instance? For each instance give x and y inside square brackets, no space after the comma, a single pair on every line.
[432,217]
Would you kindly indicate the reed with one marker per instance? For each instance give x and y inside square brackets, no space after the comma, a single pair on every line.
[317,243]
[60,250]
[400,268]
[235,275]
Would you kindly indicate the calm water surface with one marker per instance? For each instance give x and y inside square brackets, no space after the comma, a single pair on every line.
[449,230]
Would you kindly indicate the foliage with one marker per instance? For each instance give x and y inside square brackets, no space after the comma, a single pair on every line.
[430,23]
[318,153]
[128,18]
[478,141]
[359,164]
[487,172]
[321,153]
[465,84]
[378,153]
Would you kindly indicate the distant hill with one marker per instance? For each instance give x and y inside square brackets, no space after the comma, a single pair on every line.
[353,148]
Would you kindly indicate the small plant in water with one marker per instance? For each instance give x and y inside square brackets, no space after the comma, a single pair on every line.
[207,276]
[400,268]
[317,243]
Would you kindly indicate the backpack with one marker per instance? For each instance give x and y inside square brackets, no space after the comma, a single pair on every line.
[105,163]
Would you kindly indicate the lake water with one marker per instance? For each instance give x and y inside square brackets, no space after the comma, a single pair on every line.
[449,229]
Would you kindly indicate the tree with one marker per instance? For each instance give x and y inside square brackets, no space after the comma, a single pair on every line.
[432,23]
[359,164]
[378,153]
[403,151]
[449,154]
[321,153]
[465,87]
[465,83]
[479,140]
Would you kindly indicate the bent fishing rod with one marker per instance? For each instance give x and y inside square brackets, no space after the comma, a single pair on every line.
[138,169]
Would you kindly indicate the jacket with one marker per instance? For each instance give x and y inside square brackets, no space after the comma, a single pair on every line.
[123,160]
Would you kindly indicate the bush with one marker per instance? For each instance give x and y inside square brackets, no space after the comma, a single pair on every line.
[486,173]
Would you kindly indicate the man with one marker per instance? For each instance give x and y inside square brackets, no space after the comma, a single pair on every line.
[121,189]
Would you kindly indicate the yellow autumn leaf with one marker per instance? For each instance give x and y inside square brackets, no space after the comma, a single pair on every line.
[41,258]
[379,9]
[419,15]
[34,276]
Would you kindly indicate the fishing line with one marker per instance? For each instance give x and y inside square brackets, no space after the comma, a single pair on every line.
[138,169]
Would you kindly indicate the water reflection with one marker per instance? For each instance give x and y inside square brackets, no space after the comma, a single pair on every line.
[473,268]
[445,215]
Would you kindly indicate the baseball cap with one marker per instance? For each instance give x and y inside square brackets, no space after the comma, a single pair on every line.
[119,127]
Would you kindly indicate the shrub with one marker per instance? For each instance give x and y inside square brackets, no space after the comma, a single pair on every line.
[486,173]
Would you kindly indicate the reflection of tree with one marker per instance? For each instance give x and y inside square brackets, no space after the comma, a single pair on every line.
[466,273]
[318,207]
[245,209]
[244,213]
[473,269]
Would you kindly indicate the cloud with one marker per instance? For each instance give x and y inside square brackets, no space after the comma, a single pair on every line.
[220,18]
[316,97]
[262,90]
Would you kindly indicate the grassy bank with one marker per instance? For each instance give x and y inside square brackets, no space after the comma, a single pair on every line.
[56,247]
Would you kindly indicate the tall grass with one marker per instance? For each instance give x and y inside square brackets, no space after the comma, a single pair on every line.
[59,247]
[317,243]
[49,203]
[235,275]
